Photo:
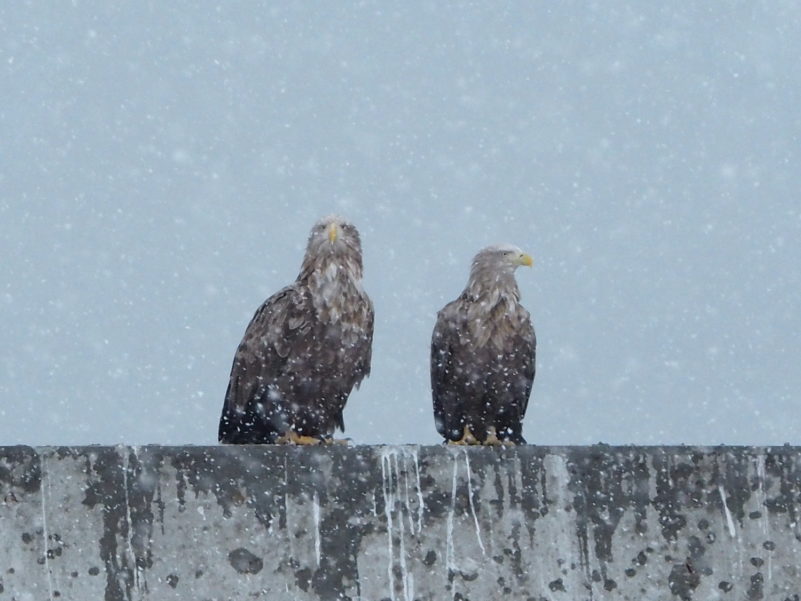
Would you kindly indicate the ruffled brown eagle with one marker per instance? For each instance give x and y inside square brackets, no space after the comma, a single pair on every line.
[305,349]
[482,354]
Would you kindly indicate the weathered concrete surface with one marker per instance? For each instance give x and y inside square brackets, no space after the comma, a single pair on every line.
[400,523]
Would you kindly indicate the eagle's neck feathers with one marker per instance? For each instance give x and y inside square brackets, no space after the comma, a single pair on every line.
[335,290]
[493,309]
[492,288]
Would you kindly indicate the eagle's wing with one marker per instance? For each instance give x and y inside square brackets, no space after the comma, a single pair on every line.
[364,345]
[444,345]
[263,354]
[526,342]
[360,352]
[520,350]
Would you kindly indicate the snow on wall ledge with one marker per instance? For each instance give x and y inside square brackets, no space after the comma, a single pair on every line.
[400,523]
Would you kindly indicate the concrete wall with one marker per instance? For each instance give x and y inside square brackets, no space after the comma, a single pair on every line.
[400,523]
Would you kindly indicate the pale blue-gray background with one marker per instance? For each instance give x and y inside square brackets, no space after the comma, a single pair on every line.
[162,163]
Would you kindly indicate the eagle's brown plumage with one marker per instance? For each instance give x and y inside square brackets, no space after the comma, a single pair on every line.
[305,349]
[482,354]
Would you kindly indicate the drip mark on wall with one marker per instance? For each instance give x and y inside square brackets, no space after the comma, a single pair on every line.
[129,522]
[470,498]
[45,491]
[420,503]
[389,501]
[316,511]
[729,520]
[450,559]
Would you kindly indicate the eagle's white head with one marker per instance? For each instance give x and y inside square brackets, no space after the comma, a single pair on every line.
[493,270]
[334,249]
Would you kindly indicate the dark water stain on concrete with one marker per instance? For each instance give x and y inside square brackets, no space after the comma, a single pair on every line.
[557,585]
[245,562]
[755,590]
[345,521]
[730,474]
[143,473]
[262,477]
[784,466]
[105,486]
[600,499]
[235,475]
[671,488]
[20,470]
[683,580]
[534,494]
[604,488]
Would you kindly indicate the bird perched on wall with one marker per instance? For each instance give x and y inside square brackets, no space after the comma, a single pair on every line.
[482,354]
[305,349]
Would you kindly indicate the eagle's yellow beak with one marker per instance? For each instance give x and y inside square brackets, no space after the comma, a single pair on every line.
[332,232]
[526,260]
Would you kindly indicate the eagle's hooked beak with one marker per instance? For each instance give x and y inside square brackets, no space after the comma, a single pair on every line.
[526,260]
[332,232]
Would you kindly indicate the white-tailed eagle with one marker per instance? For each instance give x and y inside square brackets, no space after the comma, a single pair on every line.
[305,349]
[482,354]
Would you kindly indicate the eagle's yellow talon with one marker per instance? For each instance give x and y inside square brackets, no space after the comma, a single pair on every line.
[292,437]
[466,439]
[492,438]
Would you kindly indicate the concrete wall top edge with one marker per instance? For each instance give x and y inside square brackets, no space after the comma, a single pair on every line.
[524,449]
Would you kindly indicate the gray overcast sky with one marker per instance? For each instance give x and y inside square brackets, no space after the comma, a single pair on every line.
[162,163]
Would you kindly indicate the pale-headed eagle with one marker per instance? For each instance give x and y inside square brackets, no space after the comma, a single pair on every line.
[305,349]
[482,354]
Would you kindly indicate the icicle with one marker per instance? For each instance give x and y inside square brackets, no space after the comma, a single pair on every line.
[45,488]
[450,560]
[316,511]
[402,552]
[407,499]
[287,507]
[389,503]
[729,520]
[420,504]
[470,498]
[398,499]
[129,521]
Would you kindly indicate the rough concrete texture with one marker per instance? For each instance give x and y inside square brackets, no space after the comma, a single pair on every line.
[400,523]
